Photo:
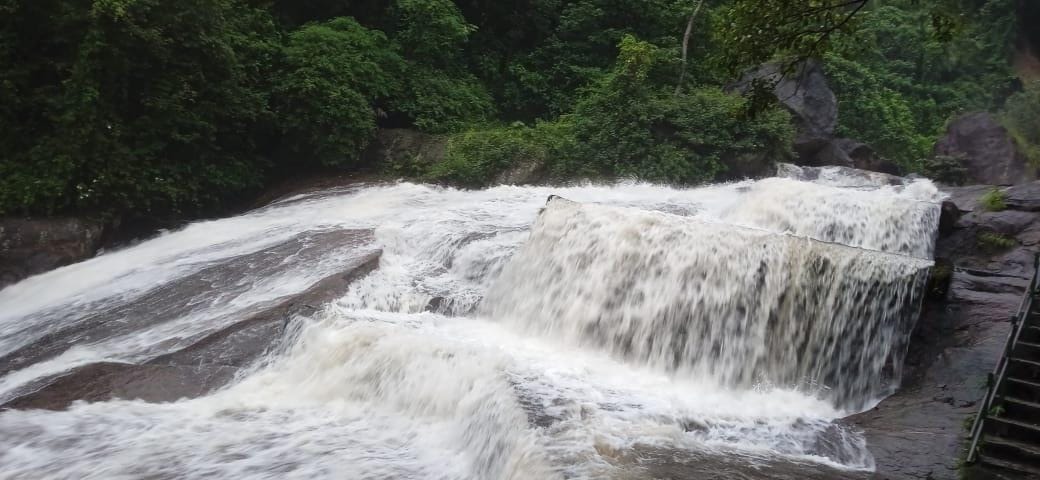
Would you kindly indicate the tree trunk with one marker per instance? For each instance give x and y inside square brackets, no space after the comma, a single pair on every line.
[686,45]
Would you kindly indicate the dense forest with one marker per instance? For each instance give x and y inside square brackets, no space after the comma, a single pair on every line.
[167,108]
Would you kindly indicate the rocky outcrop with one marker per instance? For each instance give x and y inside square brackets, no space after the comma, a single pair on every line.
[805,93]
[985,149]
[521,172]
[984,262]
[403,149]
[32,246]
[208,363]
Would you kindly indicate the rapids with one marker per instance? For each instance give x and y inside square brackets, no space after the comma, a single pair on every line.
[623,331]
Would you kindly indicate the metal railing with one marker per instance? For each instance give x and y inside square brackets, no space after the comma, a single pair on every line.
[995,379]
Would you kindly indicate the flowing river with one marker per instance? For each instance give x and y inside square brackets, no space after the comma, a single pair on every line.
[628,331]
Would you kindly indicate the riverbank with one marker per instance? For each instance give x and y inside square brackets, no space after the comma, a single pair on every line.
[919,432]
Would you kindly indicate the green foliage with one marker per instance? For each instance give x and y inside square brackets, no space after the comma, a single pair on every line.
[756,31]
[994,242]
[160,108]
[334,74]
[438,95]
[140,105]
[945,169]
[906,71]
[1021,116]
[993,200]
[476,157]
[876,114]
[538,55]
[431,31]
[626,127]
[438,102]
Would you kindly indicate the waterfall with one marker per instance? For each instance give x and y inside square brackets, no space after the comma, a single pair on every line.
[736,305]
[632,328]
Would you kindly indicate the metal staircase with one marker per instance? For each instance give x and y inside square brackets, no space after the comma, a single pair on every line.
[1006,431]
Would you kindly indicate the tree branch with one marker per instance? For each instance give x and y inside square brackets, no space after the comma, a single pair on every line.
[686,45]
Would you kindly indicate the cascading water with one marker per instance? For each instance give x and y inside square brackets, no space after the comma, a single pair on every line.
[709,300]
[720,330]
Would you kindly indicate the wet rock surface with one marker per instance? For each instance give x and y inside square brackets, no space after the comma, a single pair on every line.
[985,149]
[847,152]
[204,365]
[919,432]
[645,461]
[32,246]
[403,147]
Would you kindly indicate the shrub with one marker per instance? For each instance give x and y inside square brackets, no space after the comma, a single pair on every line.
[1021,116]
[993,200]
[994,242]
[440,102]
[945,169]
[475,157]
[438,94]
[335,71]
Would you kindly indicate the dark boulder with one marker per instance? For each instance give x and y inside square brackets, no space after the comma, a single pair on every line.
[846,152]
[986,150]
[805,93]
[747,165]
[948,216]
[32,246]
[831,155]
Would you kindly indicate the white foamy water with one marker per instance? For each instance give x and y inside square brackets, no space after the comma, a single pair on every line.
[480,348]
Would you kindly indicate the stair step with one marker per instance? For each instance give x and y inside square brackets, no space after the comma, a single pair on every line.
[1028,344]
[1024,447]
[1023,367]
[1021,389]
[1015,423]
[1008,465]
[1033,363]
[1029,333]
[1027,348]
[1026,383]
[1019,401]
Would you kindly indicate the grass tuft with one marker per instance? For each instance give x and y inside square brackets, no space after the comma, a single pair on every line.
[994,200]
[994,242]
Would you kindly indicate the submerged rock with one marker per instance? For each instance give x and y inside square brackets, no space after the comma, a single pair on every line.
[204,365]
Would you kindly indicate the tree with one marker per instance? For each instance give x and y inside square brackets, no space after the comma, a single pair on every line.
[336,74]
[686,44]
[147,106]
[627,126]
[755,31]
